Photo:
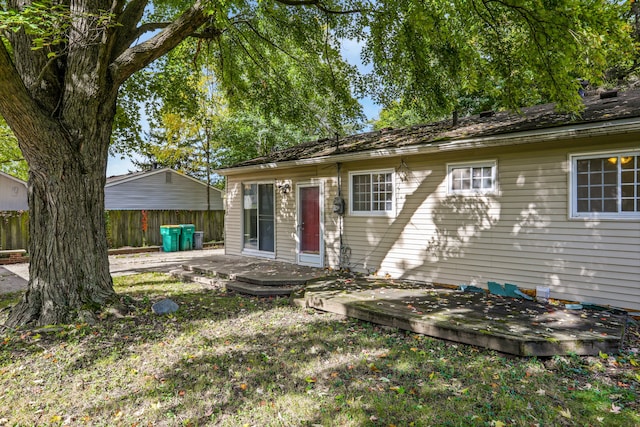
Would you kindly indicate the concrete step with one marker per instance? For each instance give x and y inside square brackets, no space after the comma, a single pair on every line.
[264,279]
[189,276]
[261,278]
[205,271]
[260,290]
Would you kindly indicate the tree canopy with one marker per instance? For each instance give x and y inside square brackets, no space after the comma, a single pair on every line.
[71,71]
[11,160]
[428,60]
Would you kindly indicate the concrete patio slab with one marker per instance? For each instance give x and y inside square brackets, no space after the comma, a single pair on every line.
[255,271]
[509,325]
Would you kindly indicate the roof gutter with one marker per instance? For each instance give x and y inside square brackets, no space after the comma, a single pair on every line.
[584,130]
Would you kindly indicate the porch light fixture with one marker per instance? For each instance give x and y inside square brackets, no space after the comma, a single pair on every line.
[284,188]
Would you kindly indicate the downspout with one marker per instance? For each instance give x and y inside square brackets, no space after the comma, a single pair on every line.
[340,223]
[344,251]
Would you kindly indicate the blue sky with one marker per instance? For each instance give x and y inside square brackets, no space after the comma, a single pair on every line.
[350,51]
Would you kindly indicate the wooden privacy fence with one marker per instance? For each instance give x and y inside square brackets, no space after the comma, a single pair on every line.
[131,228]
[14,230]
[124,228]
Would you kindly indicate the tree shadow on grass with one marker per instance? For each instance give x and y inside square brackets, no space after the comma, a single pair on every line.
[230,360]
[319,369]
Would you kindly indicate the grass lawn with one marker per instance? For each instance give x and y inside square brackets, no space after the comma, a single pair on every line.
[230,360]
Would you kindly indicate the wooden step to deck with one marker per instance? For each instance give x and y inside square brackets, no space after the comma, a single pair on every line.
[260,290]
[193,277]
[204,271]
[240,284]
[259,277]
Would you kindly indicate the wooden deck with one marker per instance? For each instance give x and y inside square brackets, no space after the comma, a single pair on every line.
[509,325]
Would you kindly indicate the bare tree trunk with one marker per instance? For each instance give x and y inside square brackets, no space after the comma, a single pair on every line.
[69,269]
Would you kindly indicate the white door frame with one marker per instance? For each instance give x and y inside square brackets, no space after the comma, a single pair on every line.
[312,260]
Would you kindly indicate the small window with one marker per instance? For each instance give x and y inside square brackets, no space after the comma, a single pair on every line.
[372,192]
[472,178]
[167,177]
[606,185]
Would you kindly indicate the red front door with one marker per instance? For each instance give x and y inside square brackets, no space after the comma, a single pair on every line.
[310,220]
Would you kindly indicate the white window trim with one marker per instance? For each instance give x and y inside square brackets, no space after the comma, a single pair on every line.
[573,187]
[257,252]
[493,164]
[389,213]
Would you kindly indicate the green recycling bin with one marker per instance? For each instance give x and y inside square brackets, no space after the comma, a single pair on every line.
[170,237]
[186,236]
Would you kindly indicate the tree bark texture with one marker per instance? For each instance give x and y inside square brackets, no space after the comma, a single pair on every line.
[62,112]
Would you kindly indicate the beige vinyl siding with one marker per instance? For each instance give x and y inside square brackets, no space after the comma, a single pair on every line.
[286,210]
[521,234]
[331,221]
[233,217]
[285,222]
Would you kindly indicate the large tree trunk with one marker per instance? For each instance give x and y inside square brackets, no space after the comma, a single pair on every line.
[61,104]
[69,269]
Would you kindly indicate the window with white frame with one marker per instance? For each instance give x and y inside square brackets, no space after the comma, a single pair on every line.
[470,178]
[372,192]
[606,185]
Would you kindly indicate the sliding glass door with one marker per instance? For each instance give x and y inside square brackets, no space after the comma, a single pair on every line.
[258,217]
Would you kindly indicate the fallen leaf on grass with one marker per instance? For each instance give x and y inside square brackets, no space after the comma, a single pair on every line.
[615,409]
[566,413]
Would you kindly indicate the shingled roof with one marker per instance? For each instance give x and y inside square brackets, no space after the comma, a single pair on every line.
[598,108]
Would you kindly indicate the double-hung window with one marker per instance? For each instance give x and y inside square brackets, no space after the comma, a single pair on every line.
[372,192]
[471,178]
[606,185]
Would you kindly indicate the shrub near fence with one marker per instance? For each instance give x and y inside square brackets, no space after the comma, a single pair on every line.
[14,230]
[124,228]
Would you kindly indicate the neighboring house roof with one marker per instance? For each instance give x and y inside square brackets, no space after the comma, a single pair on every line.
[600,110]
[120,179]
[160,189]
[13,193]
[13,178]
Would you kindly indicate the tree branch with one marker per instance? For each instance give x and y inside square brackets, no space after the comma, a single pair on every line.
[18,108]
[5,161]
[139,56]
[319,5]
[128,18]
[148,27]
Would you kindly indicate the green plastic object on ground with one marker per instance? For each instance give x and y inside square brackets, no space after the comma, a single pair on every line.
[186,236]
[170,237]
